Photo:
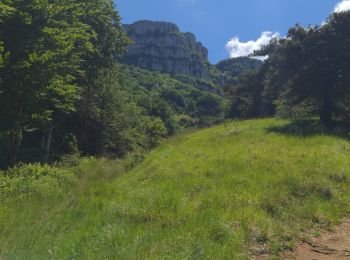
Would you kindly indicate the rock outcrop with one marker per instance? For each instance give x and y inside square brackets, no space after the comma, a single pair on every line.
[237,66]
[162,47]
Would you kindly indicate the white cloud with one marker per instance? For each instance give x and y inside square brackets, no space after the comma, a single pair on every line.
[342,6]
[236,48]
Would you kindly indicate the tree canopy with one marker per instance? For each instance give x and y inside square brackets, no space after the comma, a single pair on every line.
[306,73]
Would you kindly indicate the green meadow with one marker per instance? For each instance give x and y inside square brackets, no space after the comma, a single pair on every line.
[232,191]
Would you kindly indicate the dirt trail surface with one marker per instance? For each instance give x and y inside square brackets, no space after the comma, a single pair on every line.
[329,246]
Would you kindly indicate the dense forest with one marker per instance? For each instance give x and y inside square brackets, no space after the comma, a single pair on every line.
[59,65]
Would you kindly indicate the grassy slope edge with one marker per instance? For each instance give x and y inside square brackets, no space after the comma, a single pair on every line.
[219,193]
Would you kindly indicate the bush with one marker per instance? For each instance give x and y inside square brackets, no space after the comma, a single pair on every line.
[34,181]
[155,130]
[210,105]
[300,111]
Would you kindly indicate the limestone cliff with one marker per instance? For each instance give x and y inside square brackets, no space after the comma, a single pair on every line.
[162,47]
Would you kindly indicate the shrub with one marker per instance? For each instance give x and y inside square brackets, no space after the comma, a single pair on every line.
[34,181]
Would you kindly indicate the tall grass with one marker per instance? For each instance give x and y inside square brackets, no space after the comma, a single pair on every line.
[221,193]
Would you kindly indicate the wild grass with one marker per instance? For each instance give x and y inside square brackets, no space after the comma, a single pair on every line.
[226,192]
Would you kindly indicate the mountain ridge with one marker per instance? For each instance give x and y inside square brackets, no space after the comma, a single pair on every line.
[161,46]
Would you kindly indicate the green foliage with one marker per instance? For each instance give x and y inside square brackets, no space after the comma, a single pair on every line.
[80,100]
[211,109]
[45,42]
[236,66]
[246,97]
[231,69]
[155,131]
[34,181]
[306,74]
[179,100]
[58,50]
[48,56]
[302,110]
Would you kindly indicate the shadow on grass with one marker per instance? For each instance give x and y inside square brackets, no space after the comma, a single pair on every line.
[310,127]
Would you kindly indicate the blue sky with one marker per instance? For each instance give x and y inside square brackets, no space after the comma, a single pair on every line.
[225,26]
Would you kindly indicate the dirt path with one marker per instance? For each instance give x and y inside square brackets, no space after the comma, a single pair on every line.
[333,245]
[329,245]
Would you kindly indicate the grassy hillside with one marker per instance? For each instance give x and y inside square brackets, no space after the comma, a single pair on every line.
[219,193]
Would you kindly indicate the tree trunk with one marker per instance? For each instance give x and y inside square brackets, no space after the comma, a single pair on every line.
[326,114]
[47,145]
[16,144]
[43,140]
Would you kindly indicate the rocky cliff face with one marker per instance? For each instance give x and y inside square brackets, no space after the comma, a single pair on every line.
[162,47]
